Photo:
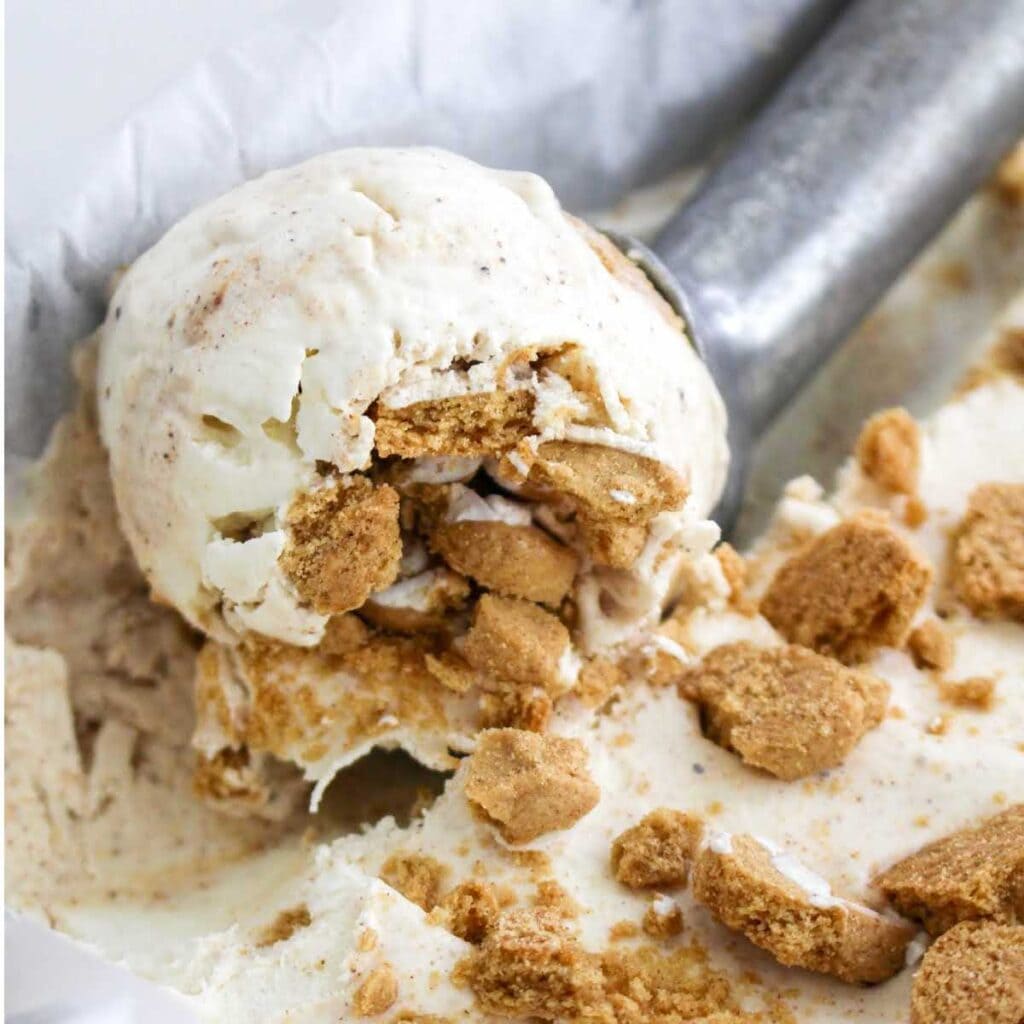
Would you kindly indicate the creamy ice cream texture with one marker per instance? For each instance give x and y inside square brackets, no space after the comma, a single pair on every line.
[298,333]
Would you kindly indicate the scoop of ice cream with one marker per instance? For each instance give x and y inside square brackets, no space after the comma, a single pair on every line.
[296,381]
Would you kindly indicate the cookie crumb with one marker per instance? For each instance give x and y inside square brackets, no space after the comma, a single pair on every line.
[889,450]
[663,918]
[931,646]
[284,926]
[786,710]
[976,692]
[915,512]
[552,896]
[734,569]
[343,544]
[976,873]
[480,423]
[658,850]
[974,974]
[768,896]
[377,993]
[854,588]
[527,784]
[417,876]
[518,561]
[343,634]
[988,552]
[1009,177]
[469,910]
[513,639]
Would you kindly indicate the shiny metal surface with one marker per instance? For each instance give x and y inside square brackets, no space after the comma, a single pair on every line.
[884,130]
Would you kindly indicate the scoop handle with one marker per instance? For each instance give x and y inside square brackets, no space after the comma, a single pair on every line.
[867,149]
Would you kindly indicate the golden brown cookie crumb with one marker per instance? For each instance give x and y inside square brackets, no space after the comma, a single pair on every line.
[598,679]
[518,561]
[452,671]
[988,552]
[734,568]
[615,494]
[737,879]
[663,918]
[343,634]
[528,784]
[974,974]
[977,873]
[230,780]
[516,707]
[552,896]
[377,993]
[657,851]
[480,423]
[513,639]
[529,965]
[931,646]
[1009,178]
[889,450]
[417,876]
[915,512]
[343,544]
[977,692]
[469,910]
[785,709]
[284,926]
[851,590]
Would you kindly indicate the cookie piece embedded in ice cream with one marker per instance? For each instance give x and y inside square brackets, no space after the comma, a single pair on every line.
[974,874]
[784,709]
[658,850]
[483,423]
[889,450]
[759,890]
[343,544]
[527,784]
[988,552]
[851,590]
[516,640]
[974,974]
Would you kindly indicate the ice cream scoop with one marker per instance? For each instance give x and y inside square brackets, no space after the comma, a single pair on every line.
[894,118]
[337,379]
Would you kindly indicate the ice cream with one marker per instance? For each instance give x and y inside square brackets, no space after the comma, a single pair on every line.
[308,348]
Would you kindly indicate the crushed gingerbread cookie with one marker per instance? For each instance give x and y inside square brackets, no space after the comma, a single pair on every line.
[528,784]
[734,569]
[977,692]
[518,561]
[418,604]
[851,590]
[284,926]
[931,646]
[530,965]
[550,895]
[663,918]
[479,423]
[779,905]
[988,552]
[516,707]
[377,993]
[977,873]
[232,780]
[343,634]
[516,640]
[785,709]
[1009,177]
[417,876]
[599,678]
[469,910]
[615,494]
[452,671]
[889,450]
[658,850]
[343,544]
[974,974]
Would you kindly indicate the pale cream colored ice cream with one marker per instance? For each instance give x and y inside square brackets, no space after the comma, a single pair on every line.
[280,339]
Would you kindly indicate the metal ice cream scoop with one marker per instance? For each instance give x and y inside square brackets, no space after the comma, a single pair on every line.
[867,149]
